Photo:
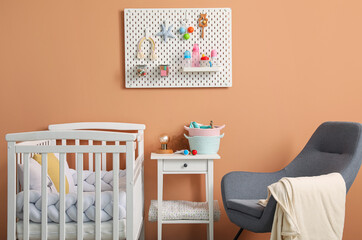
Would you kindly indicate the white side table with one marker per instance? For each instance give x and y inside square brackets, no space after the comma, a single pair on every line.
[189,164]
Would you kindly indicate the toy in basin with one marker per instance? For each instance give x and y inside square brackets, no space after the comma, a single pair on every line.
[204,131]
[205,144]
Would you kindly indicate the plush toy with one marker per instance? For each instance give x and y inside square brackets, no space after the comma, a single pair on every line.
[166,32]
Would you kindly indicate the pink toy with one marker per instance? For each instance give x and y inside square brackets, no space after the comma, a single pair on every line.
[204,131]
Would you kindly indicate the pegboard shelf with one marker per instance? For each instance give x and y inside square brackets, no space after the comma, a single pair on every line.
[201,69]
[218,36]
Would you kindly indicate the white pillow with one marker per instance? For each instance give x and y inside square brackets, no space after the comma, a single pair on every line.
[68,175]
[34,176]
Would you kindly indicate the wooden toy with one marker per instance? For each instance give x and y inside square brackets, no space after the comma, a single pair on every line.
[194,152]
[164,139]
[190,29]
[203,23]
[186,36]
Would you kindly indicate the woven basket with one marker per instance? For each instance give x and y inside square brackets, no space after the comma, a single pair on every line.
[204,131]
[204,144]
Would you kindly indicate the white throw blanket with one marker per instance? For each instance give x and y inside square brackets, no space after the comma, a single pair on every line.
[308,208]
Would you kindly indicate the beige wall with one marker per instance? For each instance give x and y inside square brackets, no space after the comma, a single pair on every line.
[296,64]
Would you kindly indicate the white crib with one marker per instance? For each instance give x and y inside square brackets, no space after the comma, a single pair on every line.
[95,140]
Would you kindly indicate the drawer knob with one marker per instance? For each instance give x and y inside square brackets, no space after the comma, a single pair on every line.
[185,165]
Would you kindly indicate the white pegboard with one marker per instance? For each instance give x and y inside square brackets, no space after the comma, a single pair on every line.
[217,36]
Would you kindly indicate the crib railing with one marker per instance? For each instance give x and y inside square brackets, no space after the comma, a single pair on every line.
[44,142]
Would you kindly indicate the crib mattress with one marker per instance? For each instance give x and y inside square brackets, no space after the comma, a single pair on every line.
[71,230]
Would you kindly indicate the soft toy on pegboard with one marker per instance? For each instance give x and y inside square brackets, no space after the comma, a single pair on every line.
[166,32]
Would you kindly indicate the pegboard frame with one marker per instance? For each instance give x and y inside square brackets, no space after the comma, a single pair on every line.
[218,35]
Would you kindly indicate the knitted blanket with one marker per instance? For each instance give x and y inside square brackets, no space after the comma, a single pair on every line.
[183,210]
[71,200]
[89,180]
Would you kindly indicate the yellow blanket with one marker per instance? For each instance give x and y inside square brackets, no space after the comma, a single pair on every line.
[308,208]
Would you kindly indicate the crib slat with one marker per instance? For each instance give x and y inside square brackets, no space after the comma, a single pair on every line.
[104,158]
[76,155]
[98,197]
[11,227]
[90,157]
[62,196]
[80,196]
[130,158]
[17,175]
[116,195]
[26,197]
[64,142]
[44,196]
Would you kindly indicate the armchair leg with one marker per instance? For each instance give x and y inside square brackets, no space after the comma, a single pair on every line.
[238,234]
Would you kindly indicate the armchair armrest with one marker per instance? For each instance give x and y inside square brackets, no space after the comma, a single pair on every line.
[248,185]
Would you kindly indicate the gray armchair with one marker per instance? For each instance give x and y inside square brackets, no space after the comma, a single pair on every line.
[334,147]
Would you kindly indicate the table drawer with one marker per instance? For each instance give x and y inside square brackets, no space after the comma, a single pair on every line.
[193,165]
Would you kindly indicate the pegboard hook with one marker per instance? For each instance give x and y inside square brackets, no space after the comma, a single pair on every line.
[146,33]
[186,19]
